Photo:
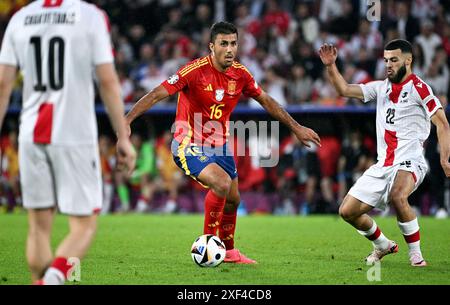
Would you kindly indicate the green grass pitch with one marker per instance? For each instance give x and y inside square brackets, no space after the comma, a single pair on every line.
[155,249]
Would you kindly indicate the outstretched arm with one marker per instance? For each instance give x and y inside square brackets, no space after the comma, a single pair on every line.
[146,102]
[443,134]
[304,134]
[328,55]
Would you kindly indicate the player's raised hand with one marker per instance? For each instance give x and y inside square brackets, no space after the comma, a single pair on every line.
[328,54]
[126,155]
[307,135]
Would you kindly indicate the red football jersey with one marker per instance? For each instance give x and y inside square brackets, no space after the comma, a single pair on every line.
[206,99]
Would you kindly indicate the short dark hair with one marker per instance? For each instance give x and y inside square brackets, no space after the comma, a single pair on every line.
[222,27]
[401,44]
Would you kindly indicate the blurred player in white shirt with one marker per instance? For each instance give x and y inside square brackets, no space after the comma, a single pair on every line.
[405,107]
[59,45]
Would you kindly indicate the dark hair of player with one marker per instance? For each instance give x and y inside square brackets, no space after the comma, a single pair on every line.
[401,44]
[222,27]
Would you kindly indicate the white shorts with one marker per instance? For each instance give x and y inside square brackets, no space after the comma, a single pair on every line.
[374,186]
[68,177]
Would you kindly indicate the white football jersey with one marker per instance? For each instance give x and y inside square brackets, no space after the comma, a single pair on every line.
[57,44]
[403,118]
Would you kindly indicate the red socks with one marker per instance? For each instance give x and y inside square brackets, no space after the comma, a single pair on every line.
[60,263]
[227,228]
[213,212]
[214,216]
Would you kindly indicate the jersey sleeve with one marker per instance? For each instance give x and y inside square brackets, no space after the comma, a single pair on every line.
[251,87]
[370,90]
[178,81]
[8,53]
[101,40]
[427,98]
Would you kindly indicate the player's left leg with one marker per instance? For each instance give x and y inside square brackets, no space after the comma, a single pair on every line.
[354,211]
[38,250]
[404,184]
[75,245]
[227,226]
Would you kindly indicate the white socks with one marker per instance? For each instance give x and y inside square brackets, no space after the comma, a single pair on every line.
[53,277]
[411,233]
[374,234]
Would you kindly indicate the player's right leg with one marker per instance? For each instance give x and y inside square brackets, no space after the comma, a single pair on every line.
[38,249]
[219,183]
[202,167]
[355,212]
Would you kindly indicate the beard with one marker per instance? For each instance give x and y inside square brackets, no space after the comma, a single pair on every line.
[397,77]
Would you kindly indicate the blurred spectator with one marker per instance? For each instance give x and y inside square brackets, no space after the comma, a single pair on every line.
[136,38]
[299,165]
[299,88]
[406,24]
[123,47]
[328,155]
[153,77]
[446,39]
[242,16]
[324,93]
[329,10]
[126,85]
[107,162]
[203,19]
[429,41]
[10,195]
[303,54]
[326,37]
[367,41]
[354,75]
[147,55]
[305,23]
[144,173]
[418,61]
[7,9]
[438,73]
[439,185]
[251,175]
[354,160]
[344,24]
[275,17]
[423,9]
[170,177]
[247,43]
[275,86]
[276,44]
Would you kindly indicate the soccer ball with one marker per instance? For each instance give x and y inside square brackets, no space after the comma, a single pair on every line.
[208,251]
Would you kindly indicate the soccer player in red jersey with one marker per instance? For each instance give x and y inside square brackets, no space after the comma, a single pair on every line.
[209,89]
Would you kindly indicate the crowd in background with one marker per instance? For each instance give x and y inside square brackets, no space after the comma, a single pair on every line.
[278,42]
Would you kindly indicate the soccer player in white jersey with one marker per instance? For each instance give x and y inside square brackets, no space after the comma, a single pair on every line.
[405,106]
[59,45]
